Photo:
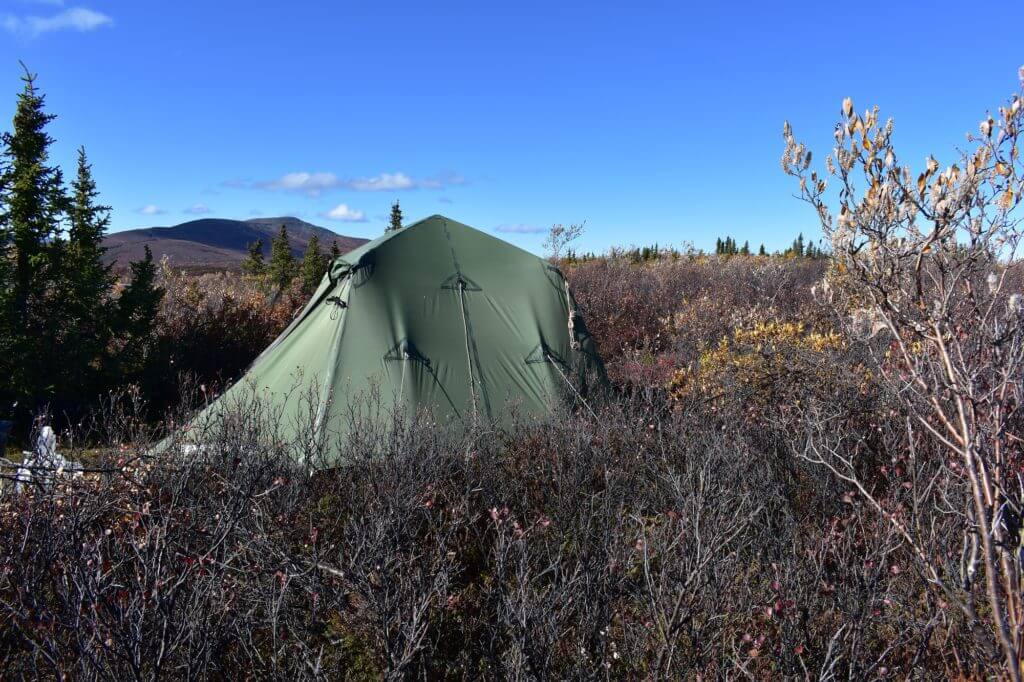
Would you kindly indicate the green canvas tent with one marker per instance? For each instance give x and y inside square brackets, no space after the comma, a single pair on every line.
[435,317]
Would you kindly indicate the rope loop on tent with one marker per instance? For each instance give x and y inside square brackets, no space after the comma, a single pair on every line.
[338,269]
[339,305]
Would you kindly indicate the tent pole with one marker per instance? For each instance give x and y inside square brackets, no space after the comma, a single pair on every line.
[469,354]
[328,392]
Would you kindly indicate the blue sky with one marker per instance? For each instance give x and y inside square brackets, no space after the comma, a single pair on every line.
[650,121]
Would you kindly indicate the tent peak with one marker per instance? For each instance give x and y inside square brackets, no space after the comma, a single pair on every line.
[443,226]
[430,218]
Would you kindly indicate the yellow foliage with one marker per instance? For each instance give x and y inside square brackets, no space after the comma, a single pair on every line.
[769,360]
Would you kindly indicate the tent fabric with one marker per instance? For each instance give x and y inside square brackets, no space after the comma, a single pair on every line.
[435,317]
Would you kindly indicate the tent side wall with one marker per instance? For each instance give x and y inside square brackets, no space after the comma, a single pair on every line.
[497,342]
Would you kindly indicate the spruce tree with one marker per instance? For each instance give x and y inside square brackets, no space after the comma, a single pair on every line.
[6,275]
[746,249]
[86,283]
[35,198]
[395,222]
[137,311]
[253,264]
[314,265]
[282,262]
[335,251]
[88,224]
[33,204]
[762,251]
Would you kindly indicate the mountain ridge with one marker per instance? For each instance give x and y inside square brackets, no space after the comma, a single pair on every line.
[217,243]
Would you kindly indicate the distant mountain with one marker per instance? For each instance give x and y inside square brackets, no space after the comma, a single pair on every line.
[215,243]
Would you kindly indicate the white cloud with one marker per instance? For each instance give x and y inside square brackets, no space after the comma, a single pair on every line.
[312,184]
[442,180]
[521,229]
[198,209]
[383,182]
[316,183]
[151,209]
[78,19]
[344,213]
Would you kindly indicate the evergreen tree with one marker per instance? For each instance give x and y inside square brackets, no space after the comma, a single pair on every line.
[137,311]
[798,246]
[314,266]
[282,262]
[395,222]
[86,284]
[253,264]
[746,249]
[762,251]
[718,246]
[88,224]
[6,289]
[335,251]
[33,203]
[35,198]
[58,315]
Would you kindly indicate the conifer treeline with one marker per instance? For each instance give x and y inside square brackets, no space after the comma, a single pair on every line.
[723,247]
[67,333]
[283,268]
[799,249]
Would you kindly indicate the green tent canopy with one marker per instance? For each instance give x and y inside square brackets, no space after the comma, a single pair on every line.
[435,317]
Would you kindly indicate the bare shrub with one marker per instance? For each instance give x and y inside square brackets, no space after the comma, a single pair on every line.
[933,258]
[649,319]
[210,328]
[640,543]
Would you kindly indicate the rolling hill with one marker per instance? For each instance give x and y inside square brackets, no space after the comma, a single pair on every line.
[216,243]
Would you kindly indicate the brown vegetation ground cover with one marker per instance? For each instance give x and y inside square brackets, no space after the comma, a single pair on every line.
[680,531]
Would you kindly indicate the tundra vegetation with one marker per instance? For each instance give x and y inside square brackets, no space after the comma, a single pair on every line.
[809,465]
